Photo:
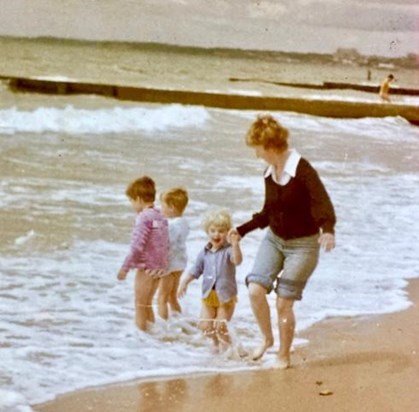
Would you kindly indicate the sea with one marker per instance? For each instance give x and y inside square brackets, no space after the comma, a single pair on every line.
[67,323]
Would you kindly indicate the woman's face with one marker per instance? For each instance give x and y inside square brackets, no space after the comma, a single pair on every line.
[268,155]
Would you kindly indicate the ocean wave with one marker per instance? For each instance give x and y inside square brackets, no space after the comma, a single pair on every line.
[71,120]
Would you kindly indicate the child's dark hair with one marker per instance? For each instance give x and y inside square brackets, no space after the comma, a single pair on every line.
[176,197]
[144,188]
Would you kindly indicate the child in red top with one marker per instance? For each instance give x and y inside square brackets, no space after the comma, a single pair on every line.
[149,248]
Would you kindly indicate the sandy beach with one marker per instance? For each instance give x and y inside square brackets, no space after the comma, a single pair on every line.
[367,363]
[350,364]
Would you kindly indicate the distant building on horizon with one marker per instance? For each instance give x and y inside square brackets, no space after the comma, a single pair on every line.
[347,55]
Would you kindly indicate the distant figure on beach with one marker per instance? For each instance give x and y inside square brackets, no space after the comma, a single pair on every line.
[173,204]
[149,248]
[217,264]
[300,219]
[385,88]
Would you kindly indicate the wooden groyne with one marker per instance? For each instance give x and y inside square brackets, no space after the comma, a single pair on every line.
[405,91]
[318,107]
[369,88]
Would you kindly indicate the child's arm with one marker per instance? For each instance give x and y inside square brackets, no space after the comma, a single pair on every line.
[183,287]
[122,274]
[236,253]
[140,235]
[195,273]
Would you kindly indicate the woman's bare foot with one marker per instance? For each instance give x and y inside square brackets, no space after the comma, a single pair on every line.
[260,351]
[283,362]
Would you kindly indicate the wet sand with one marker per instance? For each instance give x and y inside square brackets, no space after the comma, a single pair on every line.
[350,364]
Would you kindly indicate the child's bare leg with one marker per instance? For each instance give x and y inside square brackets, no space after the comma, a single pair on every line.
[165,287]
[173,299]
[153,290]
[207,326]
[145,287]
[224,315]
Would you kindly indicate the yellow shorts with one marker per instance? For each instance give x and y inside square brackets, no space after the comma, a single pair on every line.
[212,300]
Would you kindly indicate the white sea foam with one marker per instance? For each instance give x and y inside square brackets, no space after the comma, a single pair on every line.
[13,402]
[116,120]
[69,322]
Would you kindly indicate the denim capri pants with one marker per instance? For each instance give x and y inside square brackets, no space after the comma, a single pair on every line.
[285,265]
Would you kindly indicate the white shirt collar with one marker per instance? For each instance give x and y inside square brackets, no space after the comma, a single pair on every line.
[290,168]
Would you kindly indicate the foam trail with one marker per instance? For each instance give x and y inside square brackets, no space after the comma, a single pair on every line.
[13,402]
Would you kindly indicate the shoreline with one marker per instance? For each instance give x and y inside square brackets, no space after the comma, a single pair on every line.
[355,363]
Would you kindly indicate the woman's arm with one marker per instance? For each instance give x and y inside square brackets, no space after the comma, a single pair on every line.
[322,208]
[259,220]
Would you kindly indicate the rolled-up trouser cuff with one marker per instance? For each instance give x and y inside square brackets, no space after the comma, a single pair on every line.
[260,280]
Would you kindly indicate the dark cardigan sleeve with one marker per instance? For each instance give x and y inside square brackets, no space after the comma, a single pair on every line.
[259,220]
[322,209]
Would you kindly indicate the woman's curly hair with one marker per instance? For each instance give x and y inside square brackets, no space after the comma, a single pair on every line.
[267,132]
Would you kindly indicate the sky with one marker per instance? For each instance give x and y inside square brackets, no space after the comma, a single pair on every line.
[374,27]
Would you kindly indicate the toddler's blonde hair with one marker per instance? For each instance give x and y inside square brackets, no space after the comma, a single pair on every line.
[218,218]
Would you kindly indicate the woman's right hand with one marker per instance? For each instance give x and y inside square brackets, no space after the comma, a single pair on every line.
[327,241]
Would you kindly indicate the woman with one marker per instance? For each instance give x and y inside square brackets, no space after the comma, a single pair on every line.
[300,219]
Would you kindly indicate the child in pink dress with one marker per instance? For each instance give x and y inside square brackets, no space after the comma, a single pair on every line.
[149,248]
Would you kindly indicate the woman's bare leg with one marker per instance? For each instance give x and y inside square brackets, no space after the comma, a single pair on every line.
[260,308]
[286,323]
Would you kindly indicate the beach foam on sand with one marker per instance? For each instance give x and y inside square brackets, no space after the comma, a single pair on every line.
[351,364]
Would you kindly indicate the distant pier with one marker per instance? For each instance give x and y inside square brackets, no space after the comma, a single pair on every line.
[319,107]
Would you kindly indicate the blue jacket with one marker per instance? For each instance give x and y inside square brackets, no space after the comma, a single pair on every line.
[218,272]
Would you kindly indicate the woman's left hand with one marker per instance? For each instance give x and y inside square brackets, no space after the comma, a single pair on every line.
[327,241]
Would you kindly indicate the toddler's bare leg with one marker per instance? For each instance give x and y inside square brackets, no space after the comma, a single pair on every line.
[165,287]
[173,300]
[145,288]
[207,326]
[224,315]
